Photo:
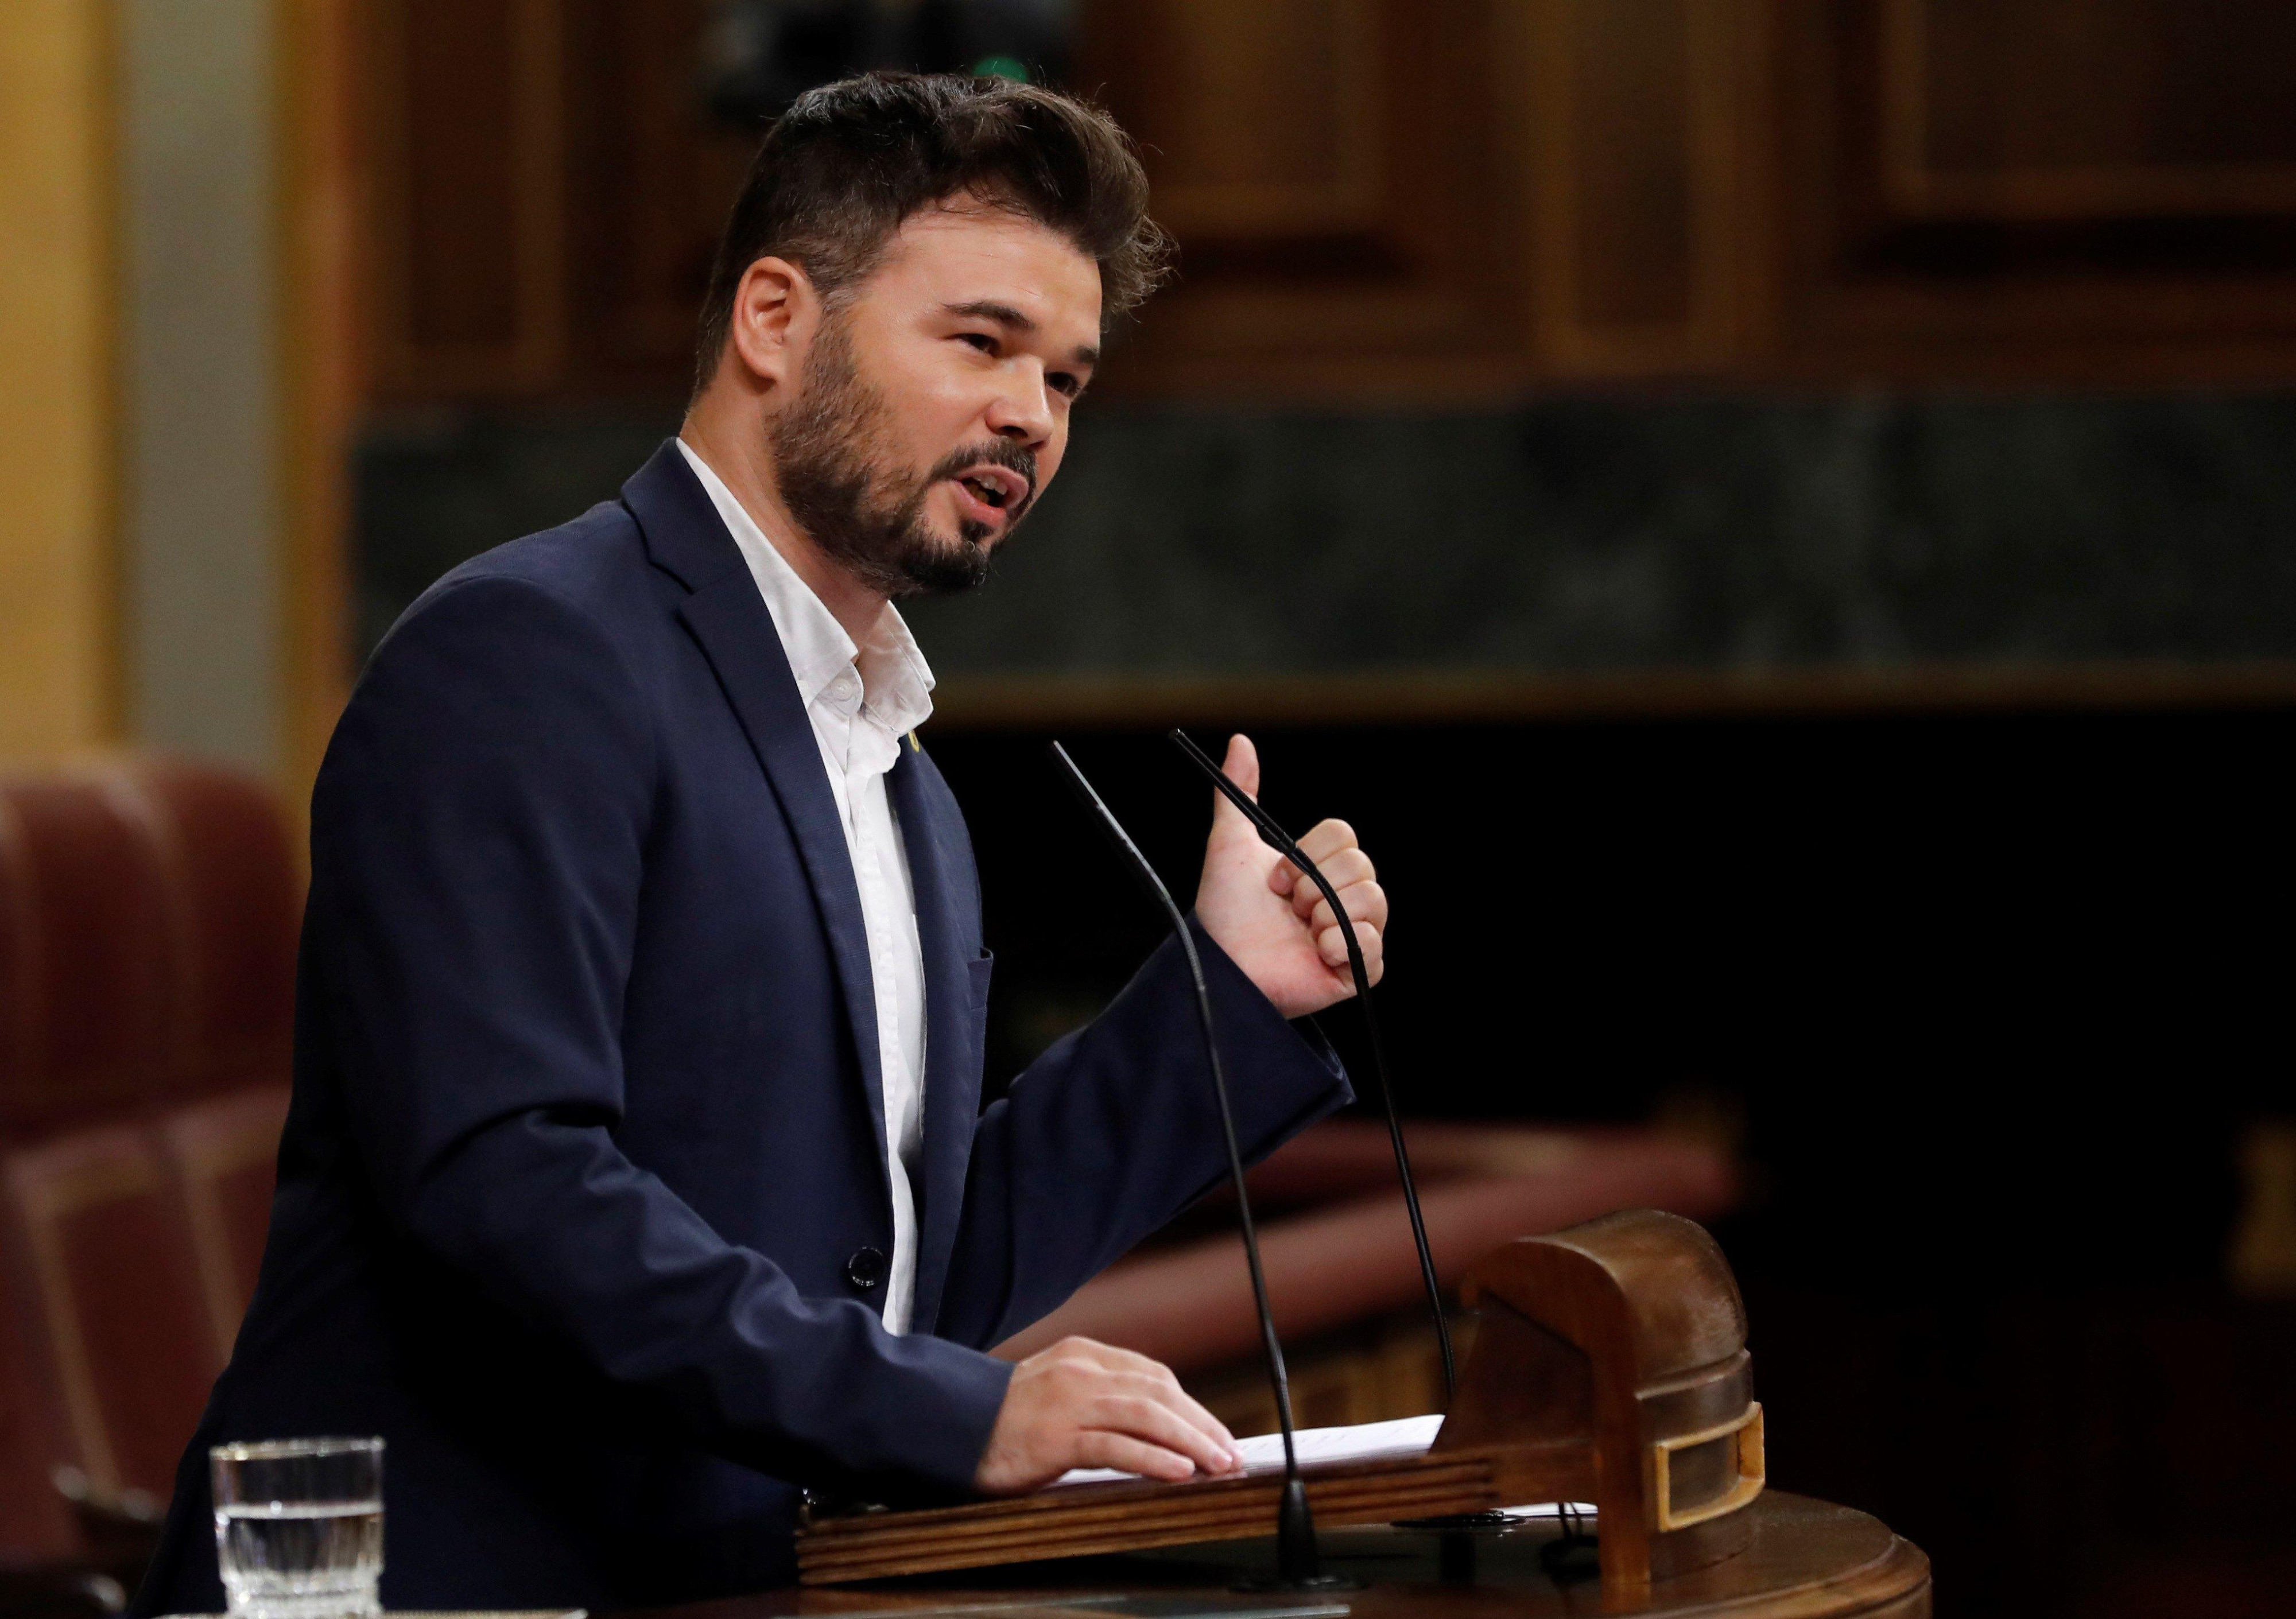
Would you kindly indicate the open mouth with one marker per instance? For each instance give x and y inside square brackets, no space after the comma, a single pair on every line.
[996,491]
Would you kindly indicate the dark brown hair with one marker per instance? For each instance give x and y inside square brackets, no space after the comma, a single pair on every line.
[843,168]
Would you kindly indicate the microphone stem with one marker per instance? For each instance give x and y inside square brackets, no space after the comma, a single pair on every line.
[1272,833]
[1276,1375]
[1402,1159]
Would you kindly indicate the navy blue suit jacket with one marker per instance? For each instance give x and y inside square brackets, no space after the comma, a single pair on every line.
[587,1124]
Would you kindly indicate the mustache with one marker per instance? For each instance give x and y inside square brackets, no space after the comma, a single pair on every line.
[996,453]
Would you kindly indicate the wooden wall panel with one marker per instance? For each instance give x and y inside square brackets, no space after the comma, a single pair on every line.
[468,105]
[1636,148]
[326,251]
[1629,93]
[2077,109]
[1400,199]
[1341,180]
[2064,191]
[1262,122]
[649,183]
[547,195]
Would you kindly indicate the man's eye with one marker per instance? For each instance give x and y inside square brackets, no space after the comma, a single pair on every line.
[1067,386]
[978,339]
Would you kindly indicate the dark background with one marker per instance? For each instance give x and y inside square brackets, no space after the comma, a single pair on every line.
[1987,1001]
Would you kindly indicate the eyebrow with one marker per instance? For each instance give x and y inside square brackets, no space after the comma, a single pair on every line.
[1012,320]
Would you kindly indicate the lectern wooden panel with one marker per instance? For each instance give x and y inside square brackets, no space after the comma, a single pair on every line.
[1803,1559]
[1611,1365]
[1626,1339]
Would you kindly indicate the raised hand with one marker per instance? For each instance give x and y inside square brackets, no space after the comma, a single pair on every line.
[1272,921]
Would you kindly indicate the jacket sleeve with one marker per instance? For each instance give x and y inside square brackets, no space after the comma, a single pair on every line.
[478,837]
[1115,1129]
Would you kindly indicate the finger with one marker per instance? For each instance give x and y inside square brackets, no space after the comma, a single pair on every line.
[1243,767]
[1347,867]
[1326,838]
[1156,1382]
[1144,1416]
[1191,1412]
[1333,945]
[1097,1448]
[1242,764]
[1366,901]
[1160,1383]
[1176,1422]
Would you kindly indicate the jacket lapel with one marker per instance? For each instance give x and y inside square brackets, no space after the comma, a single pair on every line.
[729,617]
[938,854]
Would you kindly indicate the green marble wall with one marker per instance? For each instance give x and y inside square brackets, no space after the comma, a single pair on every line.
[1566,534]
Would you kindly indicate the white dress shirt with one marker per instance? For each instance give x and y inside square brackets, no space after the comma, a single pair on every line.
[862,701]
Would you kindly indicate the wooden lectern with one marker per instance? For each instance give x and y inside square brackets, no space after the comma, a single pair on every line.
[1610,1366]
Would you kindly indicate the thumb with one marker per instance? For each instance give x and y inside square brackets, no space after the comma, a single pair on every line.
[1243,767]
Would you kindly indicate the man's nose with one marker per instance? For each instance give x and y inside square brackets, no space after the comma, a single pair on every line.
[1023,411]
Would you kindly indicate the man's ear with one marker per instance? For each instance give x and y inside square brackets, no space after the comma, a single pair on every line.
[776,313]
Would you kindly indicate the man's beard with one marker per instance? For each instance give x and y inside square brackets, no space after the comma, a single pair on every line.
[828,459]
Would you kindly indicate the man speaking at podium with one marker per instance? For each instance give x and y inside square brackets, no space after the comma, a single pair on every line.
[636,1177]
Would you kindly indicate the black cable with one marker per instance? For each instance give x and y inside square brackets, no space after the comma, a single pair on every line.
[1277,839]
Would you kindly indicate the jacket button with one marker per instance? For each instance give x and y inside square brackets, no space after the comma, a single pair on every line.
[866,1268]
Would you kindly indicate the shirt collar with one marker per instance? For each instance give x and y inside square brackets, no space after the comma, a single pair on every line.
[895,683]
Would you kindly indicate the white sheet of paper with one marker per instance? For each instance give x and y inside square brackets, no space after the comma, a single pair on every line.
[1264,1452]
[1363,1441]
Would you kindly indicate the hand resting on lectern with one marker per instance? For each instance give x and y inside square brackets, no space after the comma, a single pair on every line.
[1083,1404]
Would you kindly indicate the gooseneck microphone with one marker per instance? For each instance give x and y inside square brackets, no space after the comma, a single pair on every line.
[1277,839]
[1296,1561]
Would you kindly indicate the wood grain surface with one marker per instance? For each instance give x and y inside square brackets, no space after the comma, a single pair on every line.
[1805,1560]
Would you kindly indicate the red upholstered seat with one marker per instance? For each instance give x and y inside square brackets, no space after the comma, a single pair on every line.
[120,1321]
[147,933]
[224,1153]
[147,938]
[34,1519]
[90,969]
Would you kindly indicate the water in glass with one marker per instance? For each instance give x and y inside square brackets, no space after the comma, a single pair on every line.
[298,1527]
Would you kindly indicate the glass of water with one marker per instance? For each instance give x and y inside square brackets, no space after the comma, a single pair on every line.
[298,1527]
